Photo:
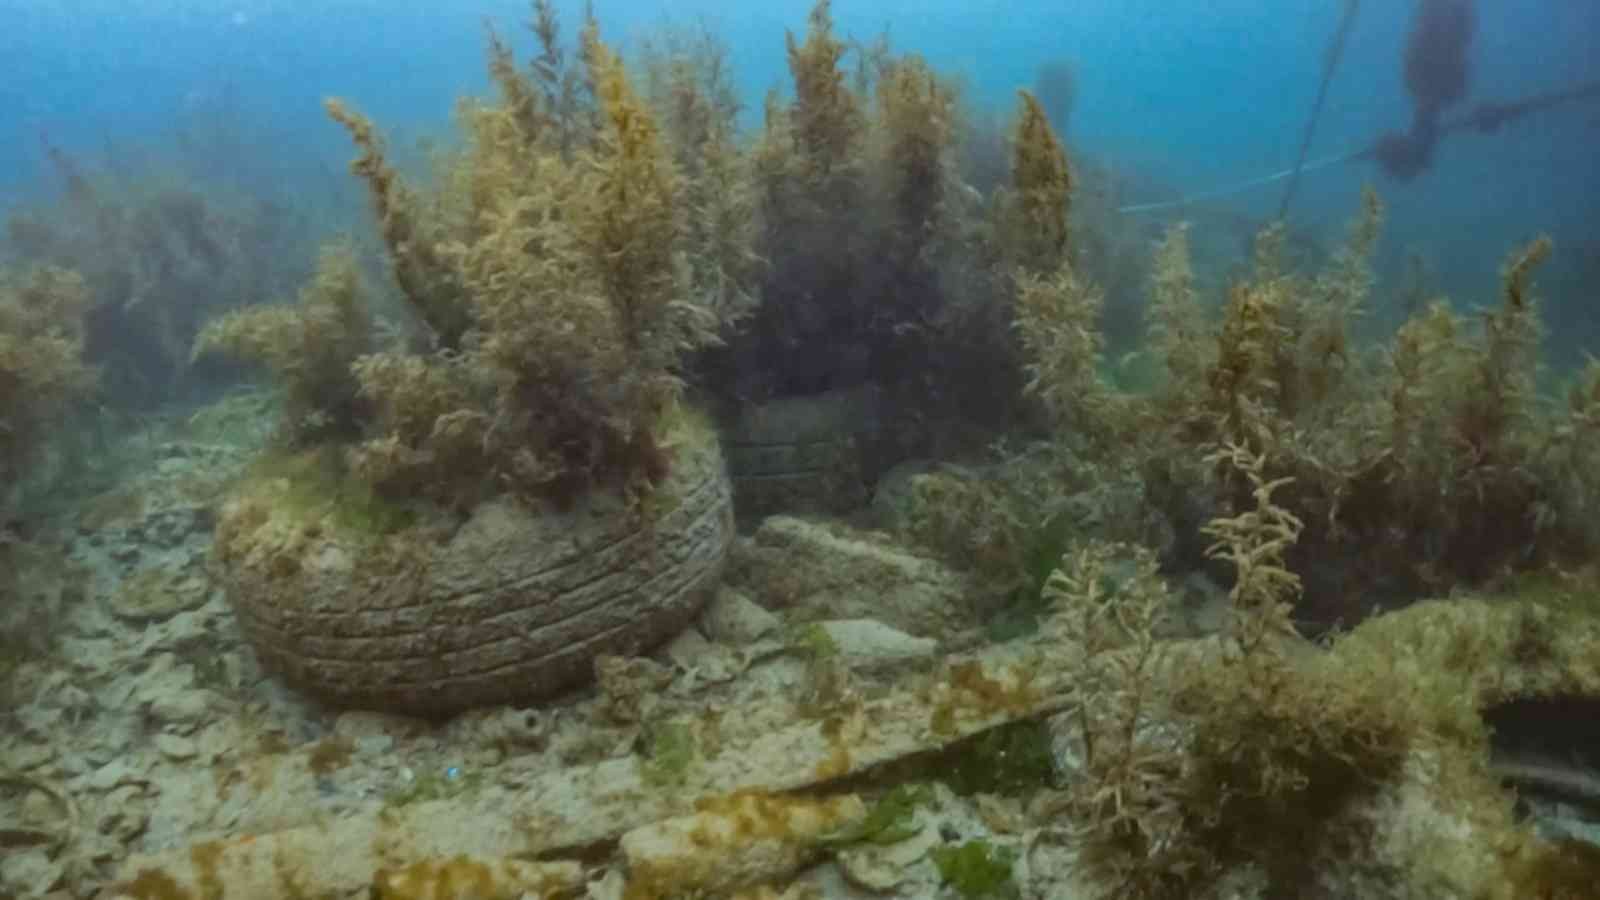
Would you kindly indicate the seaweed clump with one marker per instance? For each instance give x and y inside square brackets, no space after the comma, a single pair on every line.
[555,278]
[42,376]
[978,869]
[1431,463]
[1034,223]
[555,294]
[309,347]
[1252,758]
[1415,465]
[42,372]
[159,253]
[880,259]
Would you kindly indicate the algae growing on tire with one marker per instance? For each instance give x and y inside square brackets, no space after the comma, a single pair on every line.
[512,604]
[546,495]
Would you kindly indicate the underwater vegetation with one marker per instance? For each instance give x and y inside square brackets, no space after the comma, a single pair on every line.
[874,260]
[562,265]
[1415,464]
[42,370]
[564,309]
[1427,463]
[591,249]
[160,253]
[602,250]
[882,259]
[1246,759]
[42,376]
[309,347]
[1257,756]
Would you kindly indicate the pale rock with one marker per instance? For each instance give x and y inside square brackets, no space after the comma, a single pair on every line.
[869,641]
[831,571]
[124,817]
[30,873]
[704,661]
[218,740]
[176,747]
[42,805]
[508,729]
[733,618]
[114,774]
[23,757]
[884,867]
[611,886]
[358,724]
[687,648]
[183,708]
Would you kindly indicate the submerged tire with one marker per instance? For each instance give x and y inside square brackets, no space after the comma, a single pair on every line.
[512,605]
[801,454]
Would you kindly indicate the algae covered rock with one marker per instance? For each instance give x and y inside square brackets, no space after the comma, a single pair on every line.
[510,603]
[815,570]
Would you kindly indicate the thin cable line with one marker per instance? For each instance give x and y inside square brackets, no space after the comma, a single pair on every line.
[1242,186]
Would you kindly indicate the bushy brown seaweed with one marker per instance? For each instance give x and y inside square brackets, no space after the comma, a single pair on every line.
[1034,217]
[1428,462]
[916,116]
[425,281]
[1198,766]
[308,347]
[826,118]
[558,271]
[809,333]
[562,266]
[688,83]
[1057,314]
[884,266]
[42,371]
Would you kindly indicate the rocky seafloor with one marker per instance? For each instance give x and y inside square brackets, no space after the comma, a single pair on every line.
[139,728]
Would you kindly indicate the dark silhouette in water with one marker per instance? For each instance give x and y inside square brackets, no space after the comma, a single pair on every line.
[1398,151]
[1437,72]
[1488,116]
[1436,55]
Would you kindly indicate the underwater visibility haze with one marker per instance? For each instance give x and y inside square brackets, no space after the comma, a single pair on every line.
[810,449]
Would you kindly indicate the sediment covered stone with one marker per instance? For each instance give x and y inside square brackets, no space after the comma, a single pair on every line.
[733,842]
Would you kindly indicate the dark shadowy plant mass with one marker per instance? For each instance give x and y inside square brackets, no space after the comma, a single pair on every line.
[160,253]
[885,264]
[894,220]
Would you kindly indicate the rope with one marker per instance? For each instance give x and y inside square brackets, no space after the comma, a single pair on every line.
[1330,64]
[1486,118]
[1242,186]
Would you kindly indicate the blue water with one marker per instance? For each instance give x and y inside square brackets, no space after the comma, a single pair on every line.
[1197,95]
